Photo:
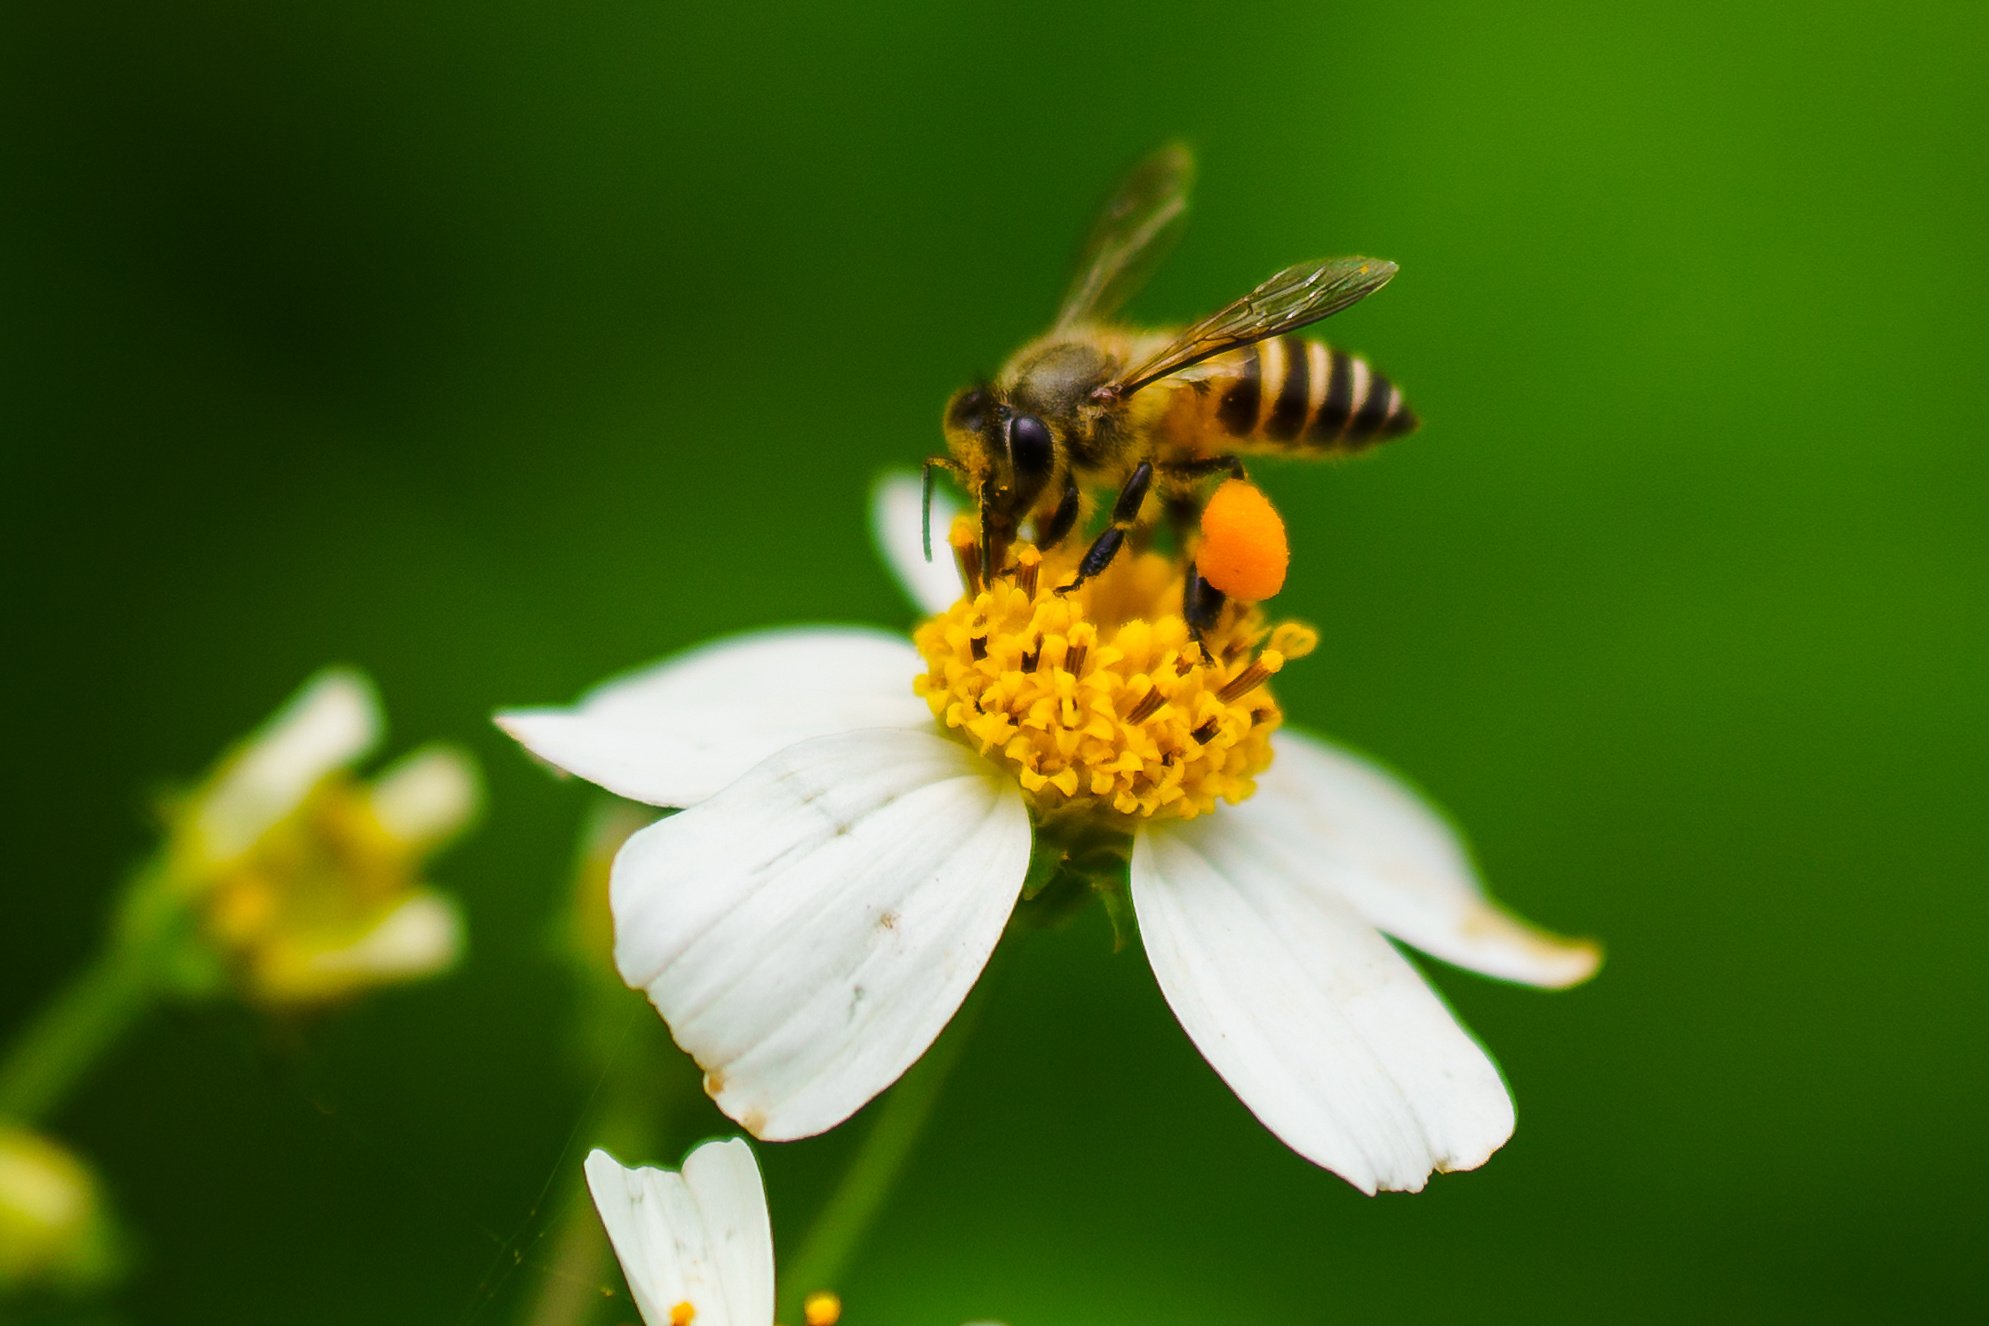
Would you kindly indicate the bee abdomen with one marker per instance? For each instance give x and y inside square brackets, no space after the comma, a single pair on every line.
[1295,394]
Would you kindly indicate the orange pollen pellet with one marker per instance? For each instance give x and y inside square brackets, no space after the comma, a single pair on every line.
[1244,552]
[683,1314]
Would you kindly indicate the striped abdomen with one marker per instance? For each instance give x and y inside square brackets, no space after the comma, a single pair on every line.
[1290,393]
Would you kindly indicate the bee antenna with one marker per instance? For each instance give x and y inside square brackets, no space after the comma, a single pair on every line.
[932,463]
[925,504]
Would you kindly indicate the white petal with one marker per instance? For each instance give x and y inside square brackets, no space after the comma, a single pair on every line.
[1381,847]
[700,1237]
[809,931]
[429,796]
[420,937]
[897,520]
[1325,1031]
[674,733]
[331,722]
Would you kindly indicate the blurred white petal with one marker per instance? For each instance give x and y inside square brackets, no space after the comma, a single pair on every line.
[429,796]
[896,519]
[809,931]
[421,936]
[1378,845]
[700,1237]
[674,733]
[1327,1033]
[330,723]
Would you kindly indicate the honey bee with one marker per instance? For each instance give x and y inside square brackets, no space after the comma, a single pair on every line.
[1092,404]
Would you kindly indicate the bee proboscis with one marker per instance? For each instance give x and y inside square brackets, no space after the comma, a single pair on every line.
[1093,404]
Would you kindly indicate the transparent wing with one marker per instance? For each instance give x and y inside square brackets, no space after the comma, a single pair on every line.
[1296,296]
[1131,236]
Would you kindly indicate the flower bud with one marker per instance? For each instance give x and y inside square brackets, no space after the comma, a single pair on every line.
[54,1233]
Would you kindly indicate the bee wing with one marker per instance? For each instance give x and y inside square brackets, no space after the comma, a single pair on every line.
[1296,296]
[1131,236]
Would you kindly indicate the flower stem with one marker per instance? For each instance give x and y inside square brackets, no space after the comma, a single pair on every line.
[839,1230]
[98,1005]
[647,1088]
[570,1287]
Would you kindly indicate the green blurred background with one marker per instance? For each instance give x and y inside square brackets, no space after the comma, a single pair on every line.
[498,347]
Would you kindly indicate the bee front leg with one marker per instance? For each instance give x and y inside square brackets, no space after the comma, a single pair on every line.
[997,533]
[1064,517]
[1201,604]
[1125,514]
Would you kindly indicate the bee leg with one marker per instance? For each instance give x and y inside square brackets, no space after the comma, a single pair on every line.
[1201,605]
[1179,480]
[1203,466]
[996,536]
[1060,524]
[1125,514]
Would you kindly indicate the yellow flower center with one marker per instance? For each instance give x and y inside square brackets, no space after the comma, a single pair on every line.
[317,881]
[1102,701]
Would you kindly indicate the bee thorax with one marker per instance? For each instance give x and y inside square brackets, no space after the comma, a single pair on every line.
[1055,380]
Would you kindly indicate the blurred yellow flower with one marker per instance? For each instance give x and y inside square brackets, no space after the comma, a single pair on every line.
[308,878]
[54,1233]
[591,931]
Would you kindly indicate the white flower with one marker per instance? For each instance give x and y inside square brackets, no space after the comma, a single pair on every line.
[848,861]
[696,1246]
[307,876]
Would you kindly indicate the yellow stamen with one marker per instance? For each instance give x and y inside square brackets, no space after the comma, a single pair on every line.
[1252,677]
[1102,701]
[683,1314]
[1293,641]
[311,887]
[1027,563]
[966,550]
[822,1309]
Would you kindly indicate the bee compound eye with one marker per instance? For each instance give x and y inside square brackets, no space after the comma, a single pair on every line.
[1029,449]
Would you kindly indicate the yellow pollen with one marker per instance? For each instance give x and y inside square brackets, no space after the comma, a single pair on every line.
[822,1309]
[1102,701]
[683,1314]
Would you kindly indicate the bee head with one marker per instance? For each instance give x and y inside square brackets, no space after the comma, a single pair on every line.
[1008,456]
